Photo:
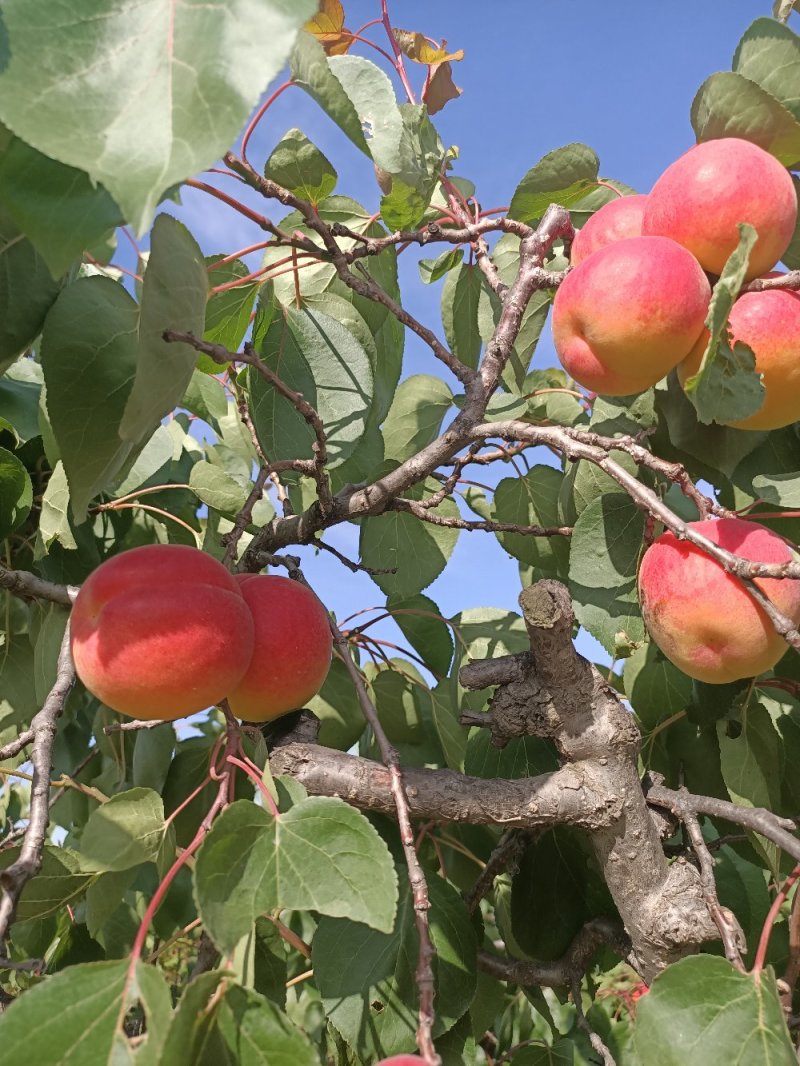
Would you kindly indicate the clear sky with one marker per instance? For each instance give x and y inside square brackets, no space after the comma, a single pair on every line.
[619,76]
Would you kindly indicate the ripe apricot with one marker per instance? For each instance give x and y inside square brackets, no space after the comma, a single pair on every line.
[701,197]
[701,617]
[614,221]
[292,648]
[769,322]
[628,314]
[161,631]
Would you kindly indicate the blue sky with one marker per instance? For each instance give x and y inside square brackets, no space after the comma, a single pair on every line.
[619,76]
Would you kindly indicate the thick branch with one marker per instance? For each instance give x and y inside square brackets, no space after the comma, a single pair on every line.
[15,877]
[560,798]
[30,587]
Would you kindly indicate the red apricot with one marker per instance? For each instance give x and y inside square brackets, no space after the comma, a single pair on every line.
[769,322]
[292,648]
[628,314]
[161,631]
[701,197]
[701,617]
[614,221]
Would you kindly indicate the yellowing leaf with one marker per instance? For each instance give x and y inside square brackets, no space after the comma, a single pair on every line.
[416,47]
[328,27]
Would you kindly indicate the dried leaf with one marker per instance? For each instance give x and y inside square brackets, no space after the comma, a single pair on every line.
[440,88]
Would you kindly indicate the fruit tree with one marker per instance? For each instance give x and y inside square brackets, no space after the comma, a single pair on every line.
[283,779]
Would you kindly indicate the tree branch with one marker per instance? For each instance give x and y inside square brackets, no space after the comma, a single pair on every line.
[15,877]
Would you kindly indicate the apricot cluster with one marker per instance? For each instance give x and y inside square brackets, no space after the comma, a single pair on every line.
[634,306]
[164,631]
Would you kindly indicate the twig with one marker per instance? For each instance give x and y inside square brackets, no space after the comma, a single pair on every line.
[30,587]
[352,566]
[790,280]
[506,854]
[244,517]
[769,921]
[15,877]
[14,747]
[220,354]
[133,726]
[416,508]
[416,875]
[760,820]
[729,929]
[560,972]
[583,1023]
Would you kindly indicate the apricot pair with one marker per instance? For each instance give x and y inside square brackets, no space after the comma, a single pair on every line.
[163,631]
[633,308]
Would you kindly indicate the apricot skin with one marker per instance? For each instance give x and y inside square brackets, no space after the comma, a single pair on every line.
[769,322]
[702,618]
[701,197]
[402,1060]
[629,314]
[292,648]
[614,221]
[160,632]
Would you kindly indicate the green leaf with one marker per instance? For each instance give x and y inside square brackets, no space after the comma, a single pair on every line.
[403,207]
[532,500]
[310,69]
[421,623]
[708,451]
[769,54]
[604,555]
[88,353]
[320,358]
[152,756]
[726,387]
[54,519]
[125,831]
[366,978]
[394,686]
[47,626]
[228,312]
[655,687]
[193,1030]
[451,733]
[370,91]
[174,295]
[300,167]
[752,768]
[552,894]
[419,550]
[27,291]
[562,176]
[742,888]
[205,397]
[771,471]
[460,295]
[415,417]
[217,488]
[320,855]
[431,270]
[256,1033]
[730,105]
[154,456]
[701,1010]
[16,493]
[57,207]
[337,708]
[521,757]
[73,1017]
[59,881]
[163,54]
[19,406]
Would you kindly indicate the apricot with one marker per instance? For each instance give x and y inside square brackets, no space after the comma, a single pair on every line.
[161,631]
[614,221]
[769,322]
[628,314]
[292,648]
[701,617]
[701,197]
[402,1060]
